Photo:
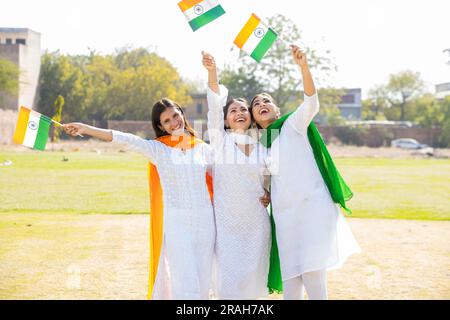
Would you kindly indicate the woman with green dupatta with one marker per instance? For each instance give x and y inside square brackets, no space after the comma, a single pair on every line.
[311,235]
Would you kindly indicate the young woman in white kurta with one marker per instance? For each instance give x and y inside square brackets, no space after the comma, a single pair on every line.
[242,221]
[185,261]
[312,234]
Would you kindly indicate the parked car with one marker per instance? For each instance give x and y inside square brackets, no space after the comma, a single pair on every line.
[407,143]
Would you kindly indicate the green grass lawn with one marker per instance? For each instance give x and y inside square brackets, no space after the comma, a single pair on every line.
[40,182]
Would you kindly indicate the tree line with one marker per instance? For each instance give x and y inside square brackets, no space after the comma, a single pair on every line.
[118,86]
[125,84]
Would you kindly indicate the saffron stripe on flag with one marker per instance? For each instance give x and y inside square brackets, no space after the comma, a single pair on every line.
[207,17]
[246,32]
[187,4]
[264,46]
[42,134]
[21,126]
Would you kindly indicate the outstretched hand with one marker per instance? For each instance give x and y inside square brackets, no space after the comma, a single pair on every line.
[299,56]
[265,199]
[208,61]
[75,128]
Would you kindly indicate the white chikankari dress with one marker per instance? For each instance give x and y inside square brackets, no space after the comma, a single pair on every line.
[243,227]
[185,263]
[312,233]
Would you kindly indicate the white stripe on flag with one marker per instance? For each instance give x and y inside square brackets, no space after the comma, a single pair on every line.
[206,5]
[30,134]
[253,40]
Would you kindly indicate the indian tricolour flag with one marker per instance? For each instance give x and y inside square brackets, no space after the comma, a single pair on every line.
[255,38]
[200,12]
[32,129]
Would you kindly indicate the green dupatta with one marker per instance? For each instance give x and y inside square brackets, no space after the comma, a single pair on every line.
[339,190]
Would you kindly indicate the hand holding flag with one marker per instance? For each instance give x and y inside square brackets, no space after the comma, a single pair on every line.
[299,55]
[208,61]
[32,129]
[75,128]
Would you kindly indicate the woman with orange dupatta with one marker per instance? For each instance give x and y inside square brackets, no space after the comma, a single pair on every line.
[182,230]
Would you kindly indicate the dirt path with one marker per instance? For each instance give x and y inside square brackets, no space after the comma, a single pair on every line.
[106,257]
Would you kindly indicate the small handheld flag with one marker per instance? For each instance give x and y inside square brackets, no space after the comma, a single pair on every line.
[200,12]
[32,129]
[255,38]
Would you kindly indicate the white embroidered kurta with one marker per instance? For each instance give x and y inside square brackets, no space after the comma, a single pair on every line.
[312,233]
[242,222]
[185,263]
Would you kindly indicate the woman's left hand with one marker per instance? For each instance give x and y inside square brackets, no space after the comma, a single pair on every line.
[299,56]
[265,199]
[208,61]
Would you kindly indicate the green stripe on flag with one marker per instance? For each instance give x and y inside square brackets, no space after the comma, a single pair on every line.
[207,17]
[42,134]
[264,45]
[46,118]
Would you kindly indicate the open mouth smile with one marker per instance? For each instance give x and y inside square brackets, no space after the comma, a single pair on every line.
[263,110]
[177,127]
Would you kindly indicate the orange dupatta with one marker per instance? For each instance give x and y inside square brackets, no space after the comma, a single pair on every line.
[156,204]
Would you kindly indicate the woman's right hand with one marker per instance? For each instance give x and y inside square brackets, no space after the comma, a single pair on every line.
[265,199]
[208,61]
[75,128]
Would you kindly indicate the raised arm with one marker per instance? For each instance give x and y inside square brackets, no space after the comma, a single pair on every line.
[152,149]
[78,128]
[210,64]
[217,97]
[305,113]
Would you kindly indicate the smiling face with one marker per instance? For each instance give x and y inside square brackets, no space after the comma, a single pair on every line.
[172,121]
[264,110]
[238,116]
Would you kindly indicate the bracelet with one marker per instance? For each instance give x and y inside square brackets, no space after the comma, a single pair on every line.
[213,83]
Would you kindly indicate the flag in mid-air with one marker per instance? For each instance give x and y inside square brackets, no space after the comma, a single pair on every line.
[200,12]
[32,129]
[255,38]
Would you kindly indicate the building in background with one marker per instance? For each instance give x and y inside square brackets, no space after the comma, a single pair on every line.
[22,46]
[351,104]
[442,90]
[197,110]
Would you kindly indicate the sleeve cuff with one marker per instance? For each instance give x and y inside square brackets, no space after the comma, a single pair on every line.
[117,136]
[308,98]
[219,99]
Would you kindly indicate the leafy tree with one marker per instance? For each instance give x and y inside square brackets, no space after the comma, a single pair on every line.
[144,78]
[428,111]
[329,112]
[241,82]
[444,138]
[402,88]
[434,113]
[377,102]
[58,107]
[9,77]
[61,76]
[123,85]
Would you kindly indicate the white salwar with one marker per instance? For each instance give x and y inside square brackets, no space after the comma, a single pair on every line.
[243,227]
[185,263]
[312,233]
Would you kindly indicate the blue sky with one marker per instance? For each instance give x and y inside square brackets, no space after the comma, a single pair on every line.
[368,39]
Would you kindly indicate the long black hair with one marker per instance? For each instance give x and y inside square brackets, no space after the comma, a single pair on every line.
[158,108]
